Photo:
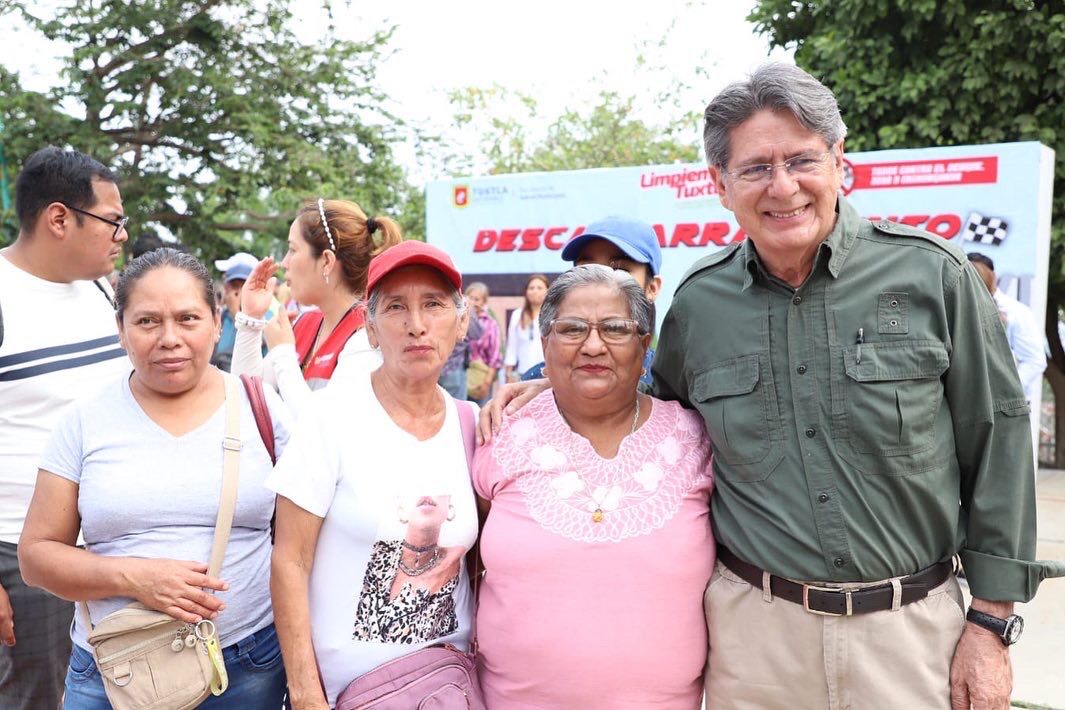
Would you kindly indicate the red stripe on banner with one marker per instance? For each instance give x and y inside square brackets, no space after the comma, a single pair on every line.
[926,173]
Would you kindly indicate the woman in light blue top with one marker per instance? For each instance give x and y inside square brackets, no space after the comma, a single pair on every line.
[137,469]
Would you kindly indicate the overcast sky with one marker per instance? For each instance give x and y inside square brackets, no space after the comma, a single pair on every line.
[560,51]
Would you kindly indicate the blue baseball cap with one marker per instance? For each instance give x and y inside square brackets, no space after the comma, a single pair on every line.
[239,271]
[637,239]
[238,266]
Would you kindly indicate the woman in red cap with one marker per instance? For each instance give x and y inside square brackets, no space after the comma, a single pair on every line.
[330,245]
[375,508]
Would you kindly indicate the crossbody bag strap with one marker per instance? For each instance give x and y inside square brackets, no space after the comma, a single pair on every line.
[469,443]
[253,385]
[231,445]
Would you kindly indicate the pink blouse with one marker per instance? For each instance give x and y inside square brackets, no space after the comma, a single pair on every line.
[576,613]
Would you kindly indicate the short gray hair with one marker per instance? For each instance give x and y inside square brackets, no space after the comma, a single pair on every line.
[775,87]
[375,300]
[640,309]
[477,286]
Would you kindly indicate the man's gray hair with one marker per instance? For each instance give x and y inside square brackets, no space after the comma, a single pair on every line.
[374,301]
[775,87]
[596,275]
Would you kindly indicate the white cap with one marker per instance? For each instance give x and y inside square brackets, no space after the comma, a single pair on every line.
[241,258]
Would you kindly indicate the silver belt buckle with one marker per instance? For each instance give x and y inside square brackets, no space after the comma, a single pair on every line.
[845,592]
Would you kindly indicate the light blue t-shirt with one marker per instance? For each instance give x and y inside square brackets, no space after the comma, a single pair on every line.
[146,493]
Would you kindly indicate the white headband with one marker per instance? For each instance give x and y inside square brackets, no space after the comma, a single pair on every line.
[325,225]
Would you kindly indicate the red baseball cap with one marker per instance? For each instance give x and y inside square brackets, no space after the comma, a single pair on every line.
[410,253]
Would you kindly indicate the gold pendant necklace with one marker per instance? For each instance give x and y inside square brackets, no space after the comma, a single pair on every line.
[598,514]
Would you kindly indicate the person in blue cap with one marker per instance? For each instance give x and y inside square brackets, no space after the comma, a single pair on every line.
[625,245]
[236,270]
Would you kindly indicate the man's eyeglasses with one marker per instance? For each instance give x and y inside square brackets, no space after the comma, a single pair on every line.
[804,164]
[615,331]
[119,224]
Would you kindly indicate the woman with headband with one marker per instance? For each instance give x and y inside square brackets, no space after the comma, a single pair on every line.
[330,245]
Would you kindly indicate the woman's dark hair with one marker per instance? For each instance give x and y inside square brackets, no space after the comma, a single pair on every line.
[55,175]
[527,309]
[160,259]
[356,243]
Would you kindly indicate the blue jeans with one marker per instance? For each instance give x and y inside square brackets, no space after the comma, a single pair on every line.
[256,677]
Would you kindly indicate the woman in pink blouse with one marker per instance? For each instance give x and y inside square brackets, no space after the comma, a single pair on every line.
[597,543]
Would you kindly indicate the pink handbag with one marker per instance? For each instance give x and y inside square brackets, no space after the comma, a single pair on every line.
[435,678]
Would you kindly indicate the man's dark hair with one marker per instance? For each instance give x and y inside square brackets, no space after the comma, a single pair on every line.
[55,175]
[978,258]
[146,242]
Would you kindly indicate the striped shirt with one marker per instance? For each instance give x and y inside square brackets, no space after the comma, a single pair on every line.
[60,343]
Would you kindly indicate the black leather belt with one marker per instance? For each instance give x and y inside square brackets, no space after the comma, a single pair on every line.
[829,601]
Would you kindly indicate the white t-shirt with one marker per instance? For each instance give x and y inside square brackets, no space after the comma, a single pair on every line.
[144,492]
[281,367]
[524,346]
[60,344]
[1026,343]
[375,485]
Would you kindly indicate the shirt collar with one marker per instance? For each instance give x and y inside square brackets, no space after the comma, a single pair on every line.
[835,247]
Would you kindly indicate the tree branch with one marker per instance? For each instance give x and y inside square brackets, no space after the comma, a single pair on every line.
[135,52]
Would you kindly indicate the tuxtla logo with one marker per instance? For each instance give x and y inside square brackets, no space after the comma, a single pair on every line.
[460,196]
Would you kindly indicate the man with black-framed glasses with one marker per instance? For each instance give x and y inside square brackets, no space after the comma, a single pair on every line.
[119,223]
[58,341]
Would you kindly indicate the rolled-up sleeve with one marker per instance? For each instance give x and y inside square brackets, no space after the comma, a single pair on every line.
[993,444]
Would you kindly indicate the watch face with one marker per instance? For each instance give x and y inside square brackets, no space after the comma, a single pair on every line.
[1014,627]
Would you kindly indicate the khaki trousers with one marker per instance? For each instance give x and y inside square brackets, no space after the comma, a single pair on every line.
[769,654]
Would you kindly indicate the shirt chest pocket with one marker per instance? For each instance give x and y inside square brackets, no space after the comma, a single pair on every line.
[894,393]
[735,404]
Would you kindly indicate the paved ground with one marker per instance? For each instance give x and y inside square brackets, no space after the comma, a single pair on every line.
[1039,658]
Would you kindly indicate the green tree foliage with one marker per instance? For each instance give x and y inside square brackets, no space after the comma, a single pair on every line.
[914,73]
[216,116]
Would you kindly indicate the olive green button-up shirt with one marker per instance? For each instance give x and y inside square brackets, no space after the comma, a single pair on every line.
[865,425]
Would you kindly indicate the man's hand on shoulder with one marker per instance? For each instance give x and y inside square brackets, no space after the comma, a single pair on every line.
[7,619]
[981,676]
[509,399]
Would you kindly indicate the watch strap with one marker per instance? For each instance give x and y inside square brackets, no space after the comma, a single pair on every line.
[986,621]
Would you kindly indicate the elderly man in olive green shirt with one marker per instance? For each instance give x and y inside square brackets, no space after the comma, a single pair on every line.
[867,426]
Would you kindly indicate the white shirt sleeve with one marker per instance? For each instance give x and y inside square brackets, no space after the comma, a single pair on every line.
[248,352]
[513,327]
[64,453]
[309,470]
[281,369]
[1026,342]
[281,418]
[358,357]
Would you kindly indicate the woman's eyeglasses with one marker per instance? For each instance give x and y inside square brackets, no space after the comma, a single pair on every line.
[612,330]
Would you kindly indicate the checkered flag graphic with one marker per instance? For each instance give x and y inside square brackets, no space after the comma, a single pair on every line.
[985,230]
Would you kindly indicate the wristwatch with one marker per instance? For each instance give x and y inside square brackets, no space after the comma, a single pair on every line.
[1008,629]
